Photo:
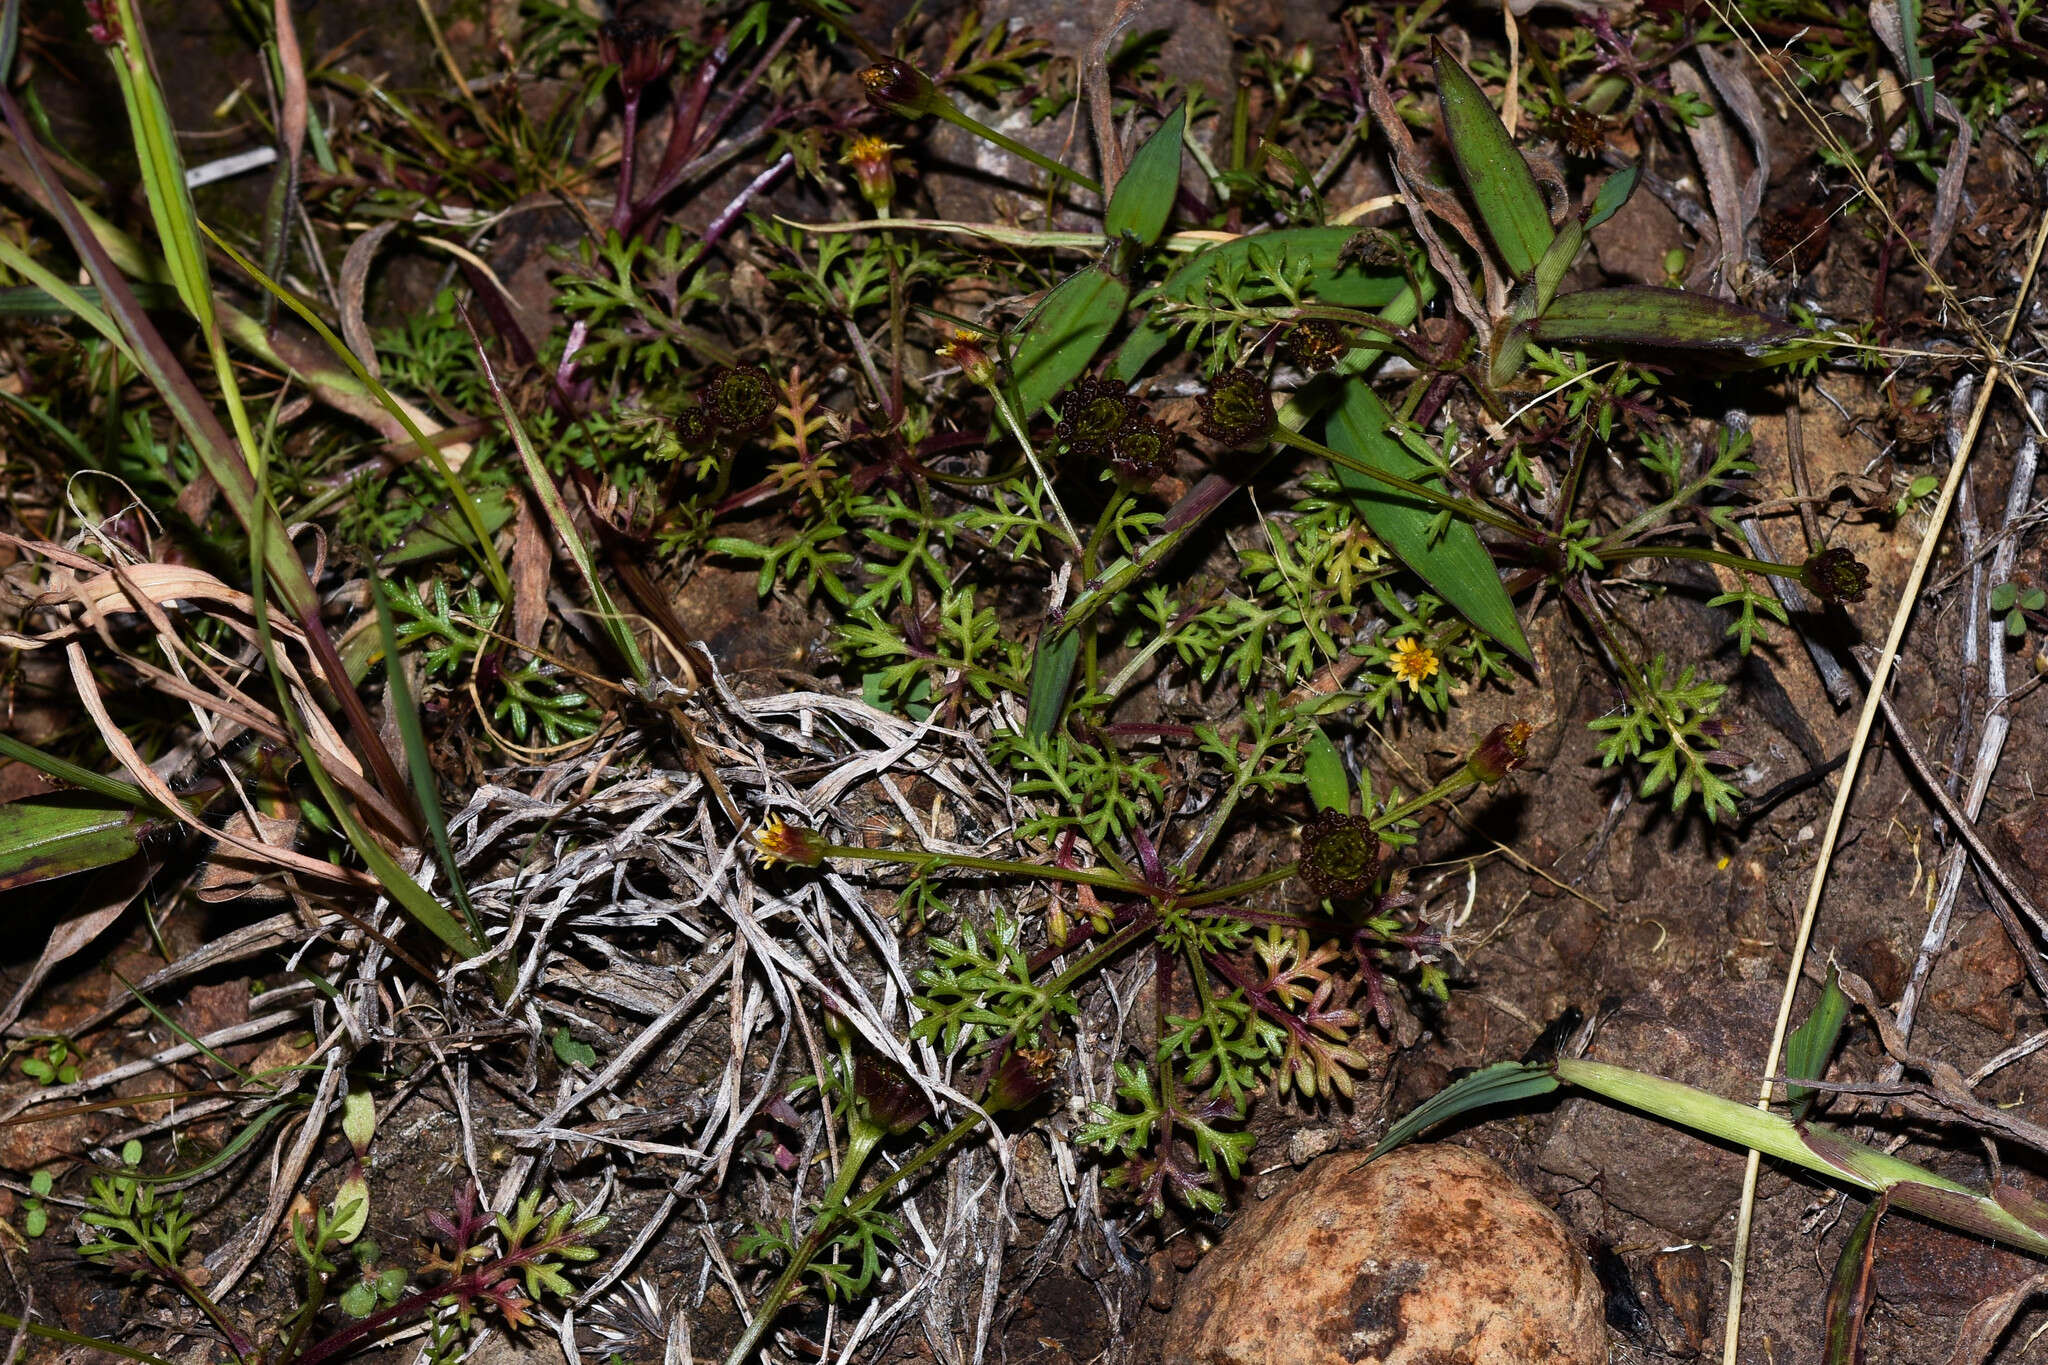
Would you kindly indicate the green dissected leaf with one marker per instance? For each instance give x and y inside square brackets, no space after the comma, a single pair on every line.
[1052,669]
[1813,1042]
[1501,1083]
[1144,197]
[1329,786]
[1454,564]
[1850,1294]
[1670,319]
[443,531]
[1494,173]
[44,837]
[1317,250]
[1059,338]
[1314,252]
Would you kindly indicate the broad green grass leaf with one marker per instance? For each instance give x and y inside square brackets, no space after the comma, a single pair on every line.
[1813,1042]
[1495,175]
[1455,564]
[1667,319]
[1052,669]
[1144,197]
[44,837]
[1849,1297]
[1329,786]
[1059,338]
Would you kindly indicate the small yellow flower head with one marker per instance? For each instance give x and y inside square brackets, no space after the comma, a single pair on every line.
[968,352]
[781,842]
[873,169]
[1414,664]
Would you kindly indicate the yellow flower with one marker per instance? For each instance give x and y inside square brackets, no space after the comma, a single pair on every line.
[867,147]
[873,169]
[1414,663]
[778,841]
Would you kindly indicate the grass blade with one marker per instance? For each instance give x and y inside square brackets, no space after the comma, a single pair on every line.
[543,484]
[472,515]
[418,760]
[1501,1083]
[1494,172]
[1849,1296]
[112,788]
[1812,1043]
[1455,564]
[1144,197]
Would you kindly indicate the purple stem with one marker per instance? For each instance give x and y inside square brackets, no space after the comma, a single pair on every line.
[730,214]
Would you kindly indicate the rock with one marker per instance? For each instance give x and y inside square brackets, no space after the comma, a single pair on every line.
[1709,1033]
[1428,1257]
[1974,975]
[2024,835]
[1940,1271]
[1631,245]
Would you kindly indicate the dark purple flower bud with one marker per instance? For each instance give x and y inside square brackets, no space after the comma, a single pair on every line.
[891,1102]
[740,399]
[897,87]
[638,48]
[1835,576]
[1238,409]
[1017,1077]
[693,428]
[1501,752]
[1340,855]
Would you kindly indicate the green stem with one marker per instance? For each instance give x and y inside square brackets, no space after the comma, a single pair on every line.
[112,1348]
[1742,563]
[925,861]
[959,118]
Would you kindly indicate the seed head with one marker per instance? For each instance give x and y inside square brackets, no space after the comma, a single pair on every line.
[1580,131]
[1238,409]
[897,87]
[1315,345]
[740,399]
[1835,575]
[1340,855]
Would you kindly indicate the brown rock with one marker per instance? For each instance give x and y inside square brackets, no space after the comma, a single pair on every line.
[1432,1256]
[1974,975]
[1941,1271]
[1707,1032]
[2024,835]
[1631,244]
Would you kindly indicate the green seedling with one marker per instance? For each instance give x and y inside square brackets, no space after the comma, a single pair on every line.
[2017,601]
